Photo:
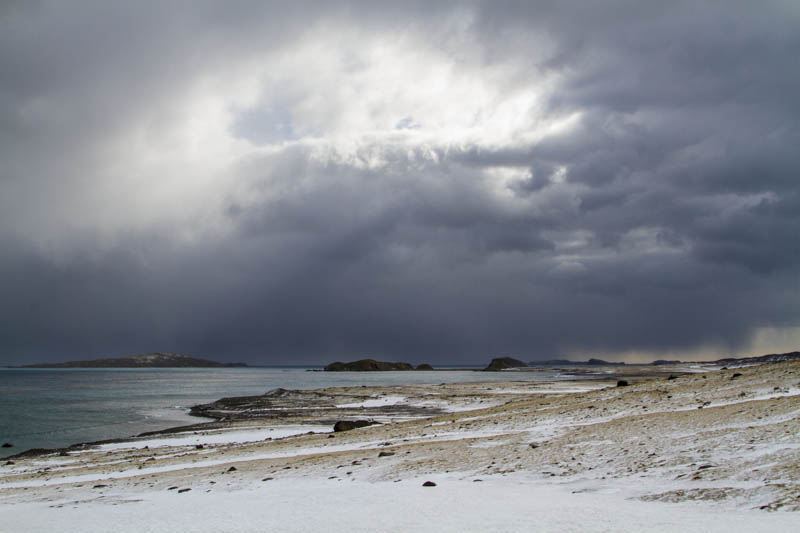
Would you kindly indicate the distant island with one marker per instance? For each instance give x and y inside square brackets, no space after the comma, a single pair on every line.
[371,365]
[147,360]
[591,362]
[769,358]
[504,363]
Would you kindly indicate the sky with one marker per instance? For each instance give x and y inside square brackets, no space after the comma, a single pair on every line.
[442,182]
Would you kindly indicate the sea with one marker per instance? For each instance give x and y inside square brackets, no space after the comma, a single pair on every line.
[54,408]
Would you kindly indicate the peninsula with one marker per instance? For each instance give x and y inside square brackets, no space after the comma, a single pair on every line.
[147,360]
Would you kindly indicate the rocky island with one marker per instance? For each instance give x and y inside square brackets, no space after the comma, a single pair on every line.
[147,360]
[371,365]
[504,363]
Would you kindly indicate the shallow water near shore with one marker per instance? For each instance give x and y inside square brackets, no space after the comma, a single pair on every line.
[52,408]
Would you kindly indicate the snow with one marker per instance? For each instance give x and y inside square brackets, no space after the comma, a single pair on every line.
[591,470]
[497,503]
[208,438]
[552,389]
[376,402]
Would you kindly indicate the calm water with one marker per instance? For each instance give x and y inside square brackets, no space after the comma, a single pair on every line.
[50,408]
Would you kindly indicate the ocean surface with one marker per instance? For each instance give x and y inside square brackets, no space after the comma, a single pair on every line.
[52,408]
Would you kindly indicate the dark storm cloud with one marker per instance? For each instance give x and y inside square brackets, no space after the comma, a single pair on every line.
[665,217]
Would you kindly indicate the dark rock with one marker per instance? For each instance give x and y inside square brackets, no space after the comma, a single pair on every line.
[232,469]
[9,463]
[198,447]
[429,484]
[424,366]
[502,363]
[63,453]
[385,454]
[622,383]
[672,376]
[347,425]
[267,479]
[100,486]
[184,490]
[172,488]
[367,365]
[736,375]
[7,445]
[533,445]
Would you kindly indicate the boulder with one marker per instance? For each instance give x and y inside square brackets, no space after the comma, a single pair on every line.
[429,484]
[622,383]
[7,445]
[347,425]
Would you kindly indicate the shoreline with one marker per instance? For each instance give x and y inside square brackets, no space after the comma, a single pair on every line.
[571,374]
[716,445]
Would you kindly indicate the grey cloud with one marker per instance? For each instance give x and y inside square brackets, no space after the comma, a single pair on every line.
[673,226]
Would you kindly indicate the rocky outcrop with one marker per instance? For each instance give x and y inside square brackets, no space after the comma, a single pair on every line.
[347,425]
[424,366]
[502,363]
[367,365]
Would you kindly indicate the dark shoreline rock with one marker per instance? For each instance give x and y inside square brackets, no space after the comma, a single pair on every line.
[347,425]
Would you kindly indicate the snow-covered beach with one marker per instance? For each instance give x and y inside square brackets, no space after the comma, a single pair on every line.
[715,451]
